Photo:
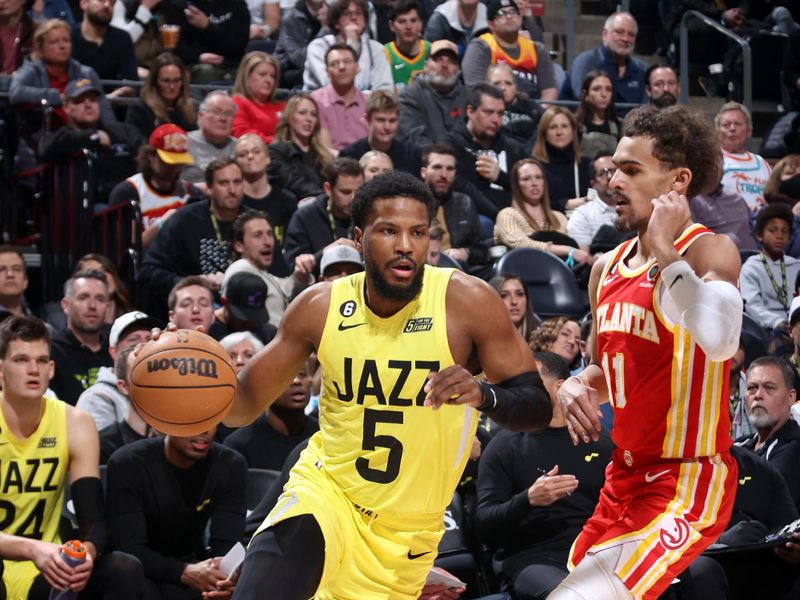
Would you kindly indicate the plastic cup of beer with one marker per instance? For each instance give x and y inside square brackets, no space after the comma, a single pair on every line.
[170,35]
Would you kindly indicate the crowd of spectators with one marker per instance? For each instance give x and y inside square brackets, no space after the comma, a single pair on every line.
[244,194]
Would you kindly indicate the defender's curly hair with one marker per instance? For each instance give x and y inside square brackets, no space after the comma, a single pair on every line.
[681,138]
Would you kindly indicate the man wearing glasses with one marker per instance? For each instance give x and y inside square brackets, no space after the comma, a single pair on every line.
[598,211]
[529,60]
[213,138]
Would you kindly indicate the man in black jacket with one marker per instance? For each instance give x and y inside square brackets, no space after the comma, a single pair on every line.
[113,145]
[298,28]
[456,213]
[484,156]
[326,219]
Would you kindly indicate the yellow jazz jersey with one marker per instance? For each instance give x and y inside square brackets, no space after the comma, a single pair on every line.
[32,476]
[386,451]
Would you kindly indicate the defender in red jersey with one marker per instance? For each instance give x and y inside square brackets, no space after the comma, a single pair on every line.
[667,317]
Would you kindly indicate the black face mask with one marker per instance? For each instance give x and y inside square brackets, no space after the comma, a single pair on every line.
[791,187]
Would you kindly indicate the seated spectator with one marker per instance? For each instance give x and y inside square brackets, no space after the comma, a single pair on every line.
[265,22]
[213,138]
[767,280]
[737,382]
[598,126]
[81,347]
[341,105]
[191,303]
[114,144]
[164,97]
[559,150]
[529,60]
[253,90]
[586,220]
[196,239]
[131,428]
[16,32]
[457,21]
[769,395]
[784,182]
[254,247]
[530,216]
[726,212]
[243,298]
[13,282]
[161,495]
[268,440]
[613,56]
[241,346]
[134,18]
[484,156]
[339,260]
[327,219]
[46,76]
[522,115]
[375,163]
[661,85]
[298,153]
[103,400]
[99,45]
[158,188]
[514,293]
[456,213]
[298,27]
[382,109]
[435,237]
[259,194]
[562,336]
[119,301]
[347,21]
[213,36]
[435,101]
[408,52]
[535,492]
[744,173]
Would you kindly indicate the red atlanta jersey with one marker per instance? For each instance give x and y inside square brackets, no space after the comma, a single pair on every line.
[669,398]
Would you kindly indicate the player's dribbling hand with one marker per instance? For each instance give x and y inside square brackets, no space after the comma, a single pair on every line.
[581,410]
[453,385]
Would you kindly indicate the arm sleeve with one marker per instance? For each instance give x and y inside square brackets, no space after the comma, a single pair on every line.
[126,518]
[499,511]
[87,496]
[518,404]
[476,61]
[227,520]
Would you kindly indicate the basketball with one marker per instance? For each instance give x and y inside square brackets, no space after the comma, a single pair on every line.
[183,383]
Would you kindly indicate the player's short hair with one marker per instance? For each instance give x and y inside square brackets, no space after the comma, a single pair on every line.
[190,280]
[776,210]
[69,284]
[9,249]
[393,184]
[783,366]
[552,365]
[681,138]
[22,327]
[437,148]
[342,165]
[121,364]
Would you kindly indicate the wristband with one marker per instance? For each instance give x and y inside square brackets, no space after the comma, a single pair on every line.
[570,260]
[159,223]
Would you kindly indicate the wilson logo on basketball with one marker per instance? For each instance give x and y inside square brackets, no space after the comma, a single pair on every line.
[202,367]
[676,535]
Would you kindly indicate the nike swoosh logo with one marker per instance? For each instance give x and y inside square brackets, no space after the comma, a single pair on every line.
[343,327]
[651,478]
[674,281]
[413,556]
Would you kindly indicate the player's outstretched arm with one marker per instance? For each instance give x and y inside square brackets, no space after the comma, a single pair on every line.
[477,322]
[271,370]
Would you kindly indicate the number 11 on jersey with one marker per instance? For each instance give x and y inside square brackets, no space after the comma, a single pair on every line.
[616,390]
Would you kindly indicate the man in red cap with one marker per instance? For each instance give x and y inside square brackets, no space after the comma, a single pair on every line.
[158,187]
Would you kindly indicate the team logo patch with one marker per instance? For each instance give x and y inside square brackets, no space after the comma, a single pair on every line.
[419,324]
[628,458]
[347,309]
[652,273]
[675,534]
[47,442]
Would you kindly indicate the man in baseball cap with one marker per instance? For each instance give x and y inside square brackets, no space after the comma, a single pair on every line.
[171,144]
[339,260]
[244,297]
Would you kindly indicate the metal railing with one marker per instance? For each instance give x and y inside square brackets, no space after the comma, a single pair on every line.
[747,56]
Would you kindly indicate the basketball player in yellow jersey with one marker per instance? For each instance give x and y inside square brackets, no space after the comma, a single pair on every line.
[42,440]
[362,513]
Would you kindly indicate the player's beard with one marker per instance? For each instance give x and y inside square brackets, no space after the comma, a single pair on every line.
[394,292]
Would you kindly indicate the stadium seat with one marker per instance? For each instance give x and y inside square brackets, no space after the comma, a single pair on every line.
[552,286]
[754,338]
[450,263]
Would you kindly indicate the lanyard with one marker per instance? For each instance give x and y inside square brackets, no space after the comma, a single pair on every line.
[220,242]
[333,222]
[781,293]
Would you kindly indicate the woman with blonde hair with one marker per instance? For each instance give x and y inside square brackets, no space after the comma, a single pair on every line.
[253,91]
[164,97]
[530,216]
[298,151]
[559,151]
[375,163]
